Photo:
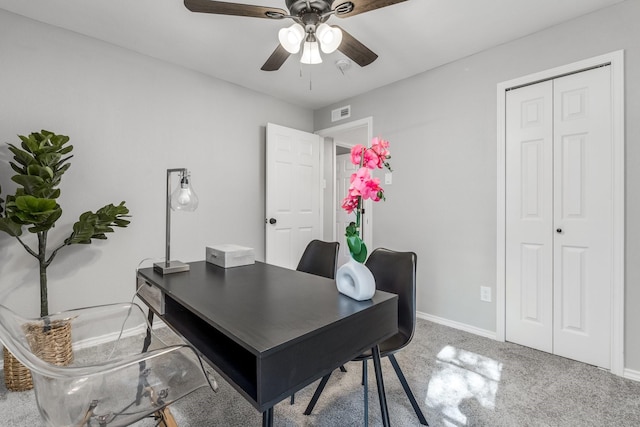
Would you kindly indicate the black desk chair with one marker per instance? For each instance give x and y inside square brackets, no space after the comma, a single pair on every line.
[320,258]
[394,272]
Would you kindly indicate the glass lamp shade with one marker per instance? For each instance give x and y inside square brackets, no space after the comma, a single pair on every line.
[311,53]
[329,38]
[291,37]
[184,198]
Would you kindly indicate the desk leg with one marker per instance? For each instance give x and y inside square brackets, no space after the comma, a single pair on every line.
[147,339]
[381,394]
[143,364]
[267,418]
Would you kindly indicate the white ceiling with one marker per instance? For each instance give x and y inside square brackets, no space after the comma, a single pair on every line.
[409,38]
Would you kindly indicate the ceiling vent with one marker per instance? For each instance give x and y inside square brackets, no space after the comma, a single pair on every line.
[341,113]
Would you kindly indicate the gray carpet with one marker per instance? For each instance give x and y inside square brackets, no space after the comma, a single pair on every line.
[459,379]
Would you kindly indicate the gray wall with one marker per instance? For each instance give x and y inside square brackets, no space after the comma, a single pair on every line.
[442,128]
[130,118]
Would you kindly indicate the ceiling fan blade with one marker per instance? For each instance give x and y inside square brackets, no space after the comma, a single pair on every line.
[359,53]
[276,59]
[361,6]
[226,8]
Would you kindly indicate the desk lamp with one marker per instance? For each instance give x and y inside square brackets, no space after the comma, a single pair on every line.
[182,199]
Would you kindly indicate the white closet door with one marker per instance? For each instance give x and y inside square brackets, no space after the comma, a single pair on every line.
[559,222]
[583,217]
[529,216]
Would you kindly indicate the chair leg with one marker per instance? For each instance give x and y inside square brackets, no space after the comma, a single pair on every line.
[366,392]
[293,396]
[407,390]
[166,418]
[377,365]
[317,394]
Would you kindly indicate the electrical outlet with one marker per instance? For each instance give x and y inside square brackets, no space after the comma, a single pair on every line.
[485,293]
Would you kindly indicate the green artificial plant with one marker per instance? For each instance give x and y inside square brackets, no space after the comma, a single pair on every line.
[39,164]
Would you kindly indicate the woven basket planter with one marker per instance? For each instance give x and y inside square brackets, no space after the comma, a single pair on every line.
[51,344]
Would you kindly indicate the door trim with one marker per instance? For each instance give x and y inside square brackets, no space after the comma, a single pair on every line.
[616,61]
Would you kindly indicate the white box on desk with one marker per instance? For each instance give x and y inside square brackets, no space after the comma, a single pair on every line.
[229,255]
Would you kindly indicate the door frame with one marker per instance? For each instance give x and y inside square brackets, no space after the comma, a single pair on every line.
[332,132]
[616,61]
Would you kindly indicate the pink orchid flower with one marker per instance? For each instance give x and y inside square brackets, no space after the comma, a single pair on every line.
[356,153]
[350,204]
[371,159]
[363,185]
[381,148]
[373,190]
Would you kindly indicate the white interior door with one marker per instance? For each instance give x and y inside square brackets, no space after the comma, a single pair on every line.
[293,216]
[344,169]
[559,217]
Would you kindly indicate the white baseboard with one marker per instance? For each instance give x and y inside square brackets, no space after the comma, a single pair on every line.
[457,325]
[105,338]
[631,374]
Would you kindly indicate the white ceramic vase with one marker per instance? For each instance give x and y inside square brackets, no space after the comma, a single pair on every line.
[355,280]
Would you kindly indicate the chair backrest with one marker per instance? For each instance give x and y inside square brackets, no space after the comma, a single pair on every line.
[320,258]
[395,272]
[109,369]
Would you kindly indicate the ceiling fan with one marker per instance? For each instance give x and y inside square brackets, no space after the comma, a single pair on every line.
[309,29]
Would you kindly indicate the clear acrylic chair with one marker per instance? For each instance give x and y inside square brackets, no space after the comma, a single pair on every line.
[120,371]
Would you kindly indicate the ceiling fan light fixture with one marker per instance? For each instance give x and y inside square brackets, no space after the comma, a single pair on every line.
[291,37]
[329,37]
[311,53]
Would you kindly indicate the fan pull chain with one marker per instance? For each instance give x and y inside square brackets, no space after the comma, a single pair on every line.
[310,78]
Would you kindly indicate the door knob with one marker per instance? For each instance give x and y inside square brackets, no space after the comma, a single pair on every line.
[272,221]
[558,230]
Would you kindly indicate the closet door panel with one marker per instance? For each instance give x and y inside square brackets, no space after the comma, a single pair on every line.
[583,216]
[529,216]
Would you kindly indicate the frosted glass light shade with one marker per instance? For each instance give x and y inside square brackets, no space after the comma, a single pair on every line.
[329,38]
[311,53]
[184,198]
[291,37]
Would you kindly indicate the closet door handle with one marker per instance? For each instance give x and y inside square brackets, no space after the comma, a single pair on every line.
[559,230]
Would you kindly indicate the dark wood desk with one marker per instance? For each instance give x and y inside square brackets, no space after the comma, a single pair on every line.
[269,331]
